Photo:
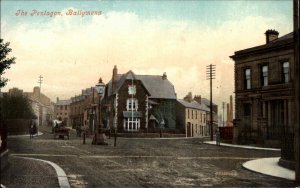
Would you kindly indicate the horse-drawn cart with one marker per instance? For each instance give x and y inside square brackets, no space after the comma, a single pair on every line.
[60,130]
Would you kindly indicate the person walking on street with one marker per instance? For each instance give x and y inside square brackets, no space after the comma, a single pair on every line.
[31,129]
[217,137]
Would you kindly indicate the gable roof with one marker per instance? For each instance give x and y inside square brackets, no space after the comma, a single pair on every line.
[194,104]
[156,86]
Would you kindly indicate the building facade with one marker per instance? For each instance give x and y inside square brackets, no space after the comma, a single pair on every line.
[42,106]
[139,103]
[263,92]
[83,109]
[62,111]
[192,117]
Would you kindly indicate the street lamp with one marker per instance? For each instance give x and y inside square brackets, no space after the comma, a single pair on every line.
[99,135]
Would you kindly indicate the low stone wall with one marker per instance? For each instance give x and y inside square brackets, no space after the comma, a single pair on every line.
[17,126]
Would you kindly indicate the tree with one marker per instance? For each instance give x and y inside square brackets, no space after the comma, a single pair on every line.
[5,61]
[16,107]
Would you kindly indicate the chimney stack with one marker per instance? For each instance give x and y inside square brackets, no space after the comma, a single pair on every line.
[188,97]
[164,76]
[228,113]
[36,90]
[57,99]
[197,98]
[271,35]
[114,79]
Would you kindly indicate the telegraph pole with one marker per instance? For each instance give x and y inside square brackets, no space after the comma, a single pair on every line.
[40,81]
[223,105]
[210,75]
[296,88]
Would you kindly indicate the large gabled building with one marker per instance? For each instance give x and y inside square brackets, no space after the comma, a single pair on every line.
[139,103]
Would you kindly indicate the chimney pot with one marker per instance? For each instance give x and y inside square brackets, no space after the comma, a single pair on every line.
[164,77]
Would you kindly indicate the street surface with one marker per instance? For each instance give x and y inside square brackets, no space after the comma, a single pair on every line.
[146,162]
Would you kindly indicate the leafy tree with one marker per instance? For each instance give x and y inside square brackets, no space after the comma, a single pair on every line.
[5,61]
[16,107]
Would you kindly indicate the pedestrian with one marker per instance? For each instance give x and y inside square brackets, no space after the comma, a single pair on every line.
[31,131]
[217,137]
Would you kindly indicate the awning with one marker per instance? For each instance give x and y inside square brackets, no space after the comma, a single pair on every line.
[134,114]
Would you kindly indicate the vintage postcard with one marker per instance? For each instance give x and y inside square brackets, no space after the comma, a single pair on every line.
[136,93]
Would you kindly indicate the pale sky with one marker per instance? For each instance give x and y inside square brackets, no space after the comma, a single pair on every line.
[148,37]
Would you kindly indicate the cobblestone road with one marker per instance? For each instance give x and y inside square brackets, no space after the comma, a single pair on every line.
[148,162]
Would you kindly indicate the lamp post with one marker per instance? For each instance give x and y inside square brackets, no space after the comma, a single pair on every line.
[99,135]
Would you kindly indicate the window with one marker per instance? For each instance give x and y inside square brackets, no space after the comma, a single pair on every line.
[131,89]
[132,104]
[61,107]
[285,72]
[192,114]
[188,113]
[66,107]
[131,124]
[264,75]
[247,79]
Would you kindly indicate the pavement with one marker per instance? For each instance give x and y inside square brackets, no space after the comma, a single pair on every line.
[25,135]
[268,166]
[32,172]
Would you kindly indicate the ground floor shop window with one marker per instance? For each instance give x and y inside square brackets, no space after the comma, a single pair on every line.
[131,124]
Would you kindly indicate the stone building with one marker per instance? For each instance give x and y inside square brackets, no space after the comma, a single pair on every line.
[192,116]
[83,109]
[206,102]
[42,106]
[62,110]
[139,103]
[264,92]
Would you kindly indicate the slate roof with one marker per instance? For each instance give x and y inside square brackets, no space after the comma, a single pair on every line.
[206,102]
[63,102]
[157,87]
[194,105]
[281,41]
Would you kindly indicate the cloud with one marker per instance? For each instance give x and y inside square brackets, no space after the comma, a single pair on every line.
[73,52]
